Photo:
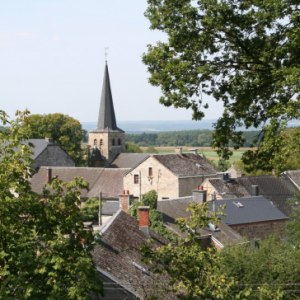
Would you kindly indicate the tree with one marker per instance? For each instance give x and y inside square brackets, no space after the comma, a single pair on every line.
[45,253]
[150,149]
[90,210]
[132,148]
[63,129]
[243,53]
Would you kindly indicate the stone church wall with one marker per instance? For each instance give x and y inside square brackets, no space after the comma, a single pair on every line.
[54,156]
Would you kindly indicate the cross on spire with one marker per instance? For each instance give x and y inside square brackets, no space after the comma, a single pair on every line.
[105,53]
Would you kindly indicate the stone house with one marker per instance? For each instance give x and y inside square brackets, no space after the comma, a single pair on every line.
[172,209]
[277,190]
[48,153]
[119,262]
[171,175]
[252,217]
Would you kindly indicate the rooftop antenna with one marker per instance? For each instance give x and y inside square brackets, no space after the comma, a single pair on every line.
[105,53]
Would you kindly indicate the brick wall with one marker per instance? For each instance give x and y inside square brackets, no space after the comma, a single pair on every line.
[54,156]
[260,230]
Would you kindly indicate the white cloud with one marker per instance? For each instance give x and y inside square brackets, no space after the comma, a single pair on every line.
[54,37]
[3,35]
[25,35]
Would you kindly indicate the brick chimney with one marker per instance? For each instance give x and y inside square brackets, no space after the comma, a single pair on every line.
[178,151]
[48,175]
[199,196]
[125,200]
[144,218]
[49,140]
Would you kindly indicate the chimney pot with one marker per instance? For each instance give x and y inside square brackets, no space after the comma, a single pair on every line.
[127,192]
[49,175]
[201,188]
[144,219]
[123,192]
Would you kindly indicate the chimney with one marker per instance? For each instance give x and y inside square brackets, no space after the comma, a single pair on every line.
[213,204]
[48,175]
[273,172]
[144,218]
[178,151]
[199,196]
[194,151]
[223,176]
[125,201]
[254,190]
[48,140]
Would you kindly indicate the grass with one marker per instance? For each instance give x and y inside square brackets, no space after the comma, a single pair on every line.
[207,151]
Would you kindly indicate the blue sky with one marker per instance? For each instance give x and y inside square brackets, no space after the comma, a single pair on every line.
[52,59]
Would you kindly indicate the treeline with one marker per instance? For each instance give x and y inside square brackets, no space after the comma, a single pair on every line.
[193,138]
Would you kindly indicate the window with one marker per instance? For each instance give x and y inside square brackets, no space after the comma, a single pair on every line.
[95,143]
[113,142]
[150,173]
[136,179]
[101,142]
[119,142]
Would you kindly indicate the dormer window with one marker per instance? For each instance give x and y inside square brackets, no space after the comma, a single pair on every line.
[113,142]
[119,142]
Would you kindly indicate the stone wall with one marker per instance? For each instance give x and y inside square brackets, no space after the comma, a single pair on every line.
[107,150]
[188,184]
[54,156]
[210,190]
[162,180]
[260,230]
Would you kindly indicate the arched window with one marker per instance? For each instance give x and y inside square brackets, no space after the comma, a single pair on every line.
[113,142]
[119,142]
[95,143]
[101,142]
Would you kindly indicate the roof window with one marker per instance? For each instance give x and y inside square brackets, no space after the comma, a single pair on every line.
[238,204]
[213,227]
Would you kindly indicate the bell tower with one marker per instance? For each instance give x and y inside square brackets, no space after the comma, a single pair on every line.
[106,140]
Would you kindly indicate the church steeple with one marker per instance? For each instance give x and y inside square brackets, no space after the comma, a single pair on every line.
[106,118]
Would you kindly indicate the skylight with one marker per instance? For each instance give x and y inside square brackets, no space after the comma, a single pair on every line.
[238,204]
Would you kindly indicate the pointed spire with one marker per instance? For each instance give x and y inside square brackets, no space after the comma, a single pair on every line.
[106,119]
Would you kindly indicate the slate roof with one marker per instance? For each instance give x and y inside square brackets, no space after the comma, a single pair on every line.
[128,160]
[110,208]
[254,209]
[187,164]
[278,190]
[118,256]
[107,181]
[106,119]
[294,176]
[172,209]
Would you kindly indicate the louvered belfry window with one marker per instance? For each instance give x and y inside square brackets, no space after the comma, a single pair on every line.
[136,179]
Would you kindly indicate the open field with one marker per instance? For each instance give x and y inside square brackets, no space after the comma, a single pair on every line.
[207,151]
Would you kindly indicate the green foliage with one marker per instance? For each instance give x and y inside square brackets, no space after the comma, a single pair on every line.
[150,149]
[64,130]
[155,220]
[273,262]
[45,253]
[193,138]
[293,226]
[223,164]
[132,148]
[243,53]
[90,209]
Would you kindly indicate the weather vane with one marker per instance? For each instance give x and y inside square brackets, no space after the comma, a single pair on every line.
[105,53]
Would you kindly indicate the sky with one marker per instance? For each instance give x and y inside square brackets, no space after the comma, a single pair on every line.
[52,59]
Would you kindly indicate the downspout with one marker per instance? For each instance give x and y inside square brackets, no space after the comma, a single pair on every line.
[140,189]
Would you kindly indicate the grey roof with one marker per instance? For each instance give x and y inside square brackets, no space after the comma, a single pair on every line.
[128,160]
[187,164]
[106,118]
[173,209]
[254,209]
[278,190]
[107,181]
[294,176]
[110,208]
[119,256]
